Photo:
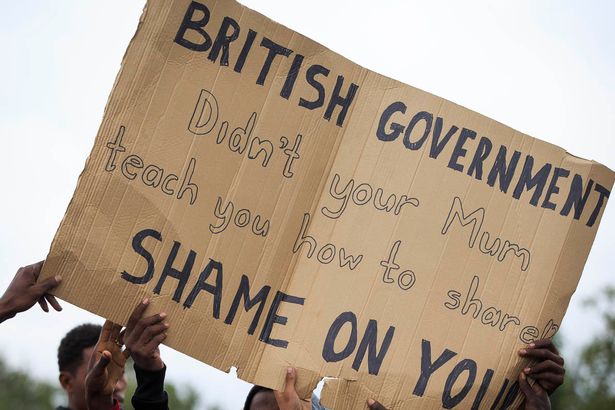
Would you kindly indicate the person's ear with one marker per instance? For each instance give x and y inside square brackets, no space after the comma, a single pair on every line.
[66,381]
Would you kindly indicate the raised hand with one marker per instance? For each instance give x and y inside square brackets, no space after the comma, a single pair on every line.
[143,336]
[106,367]
[23,292]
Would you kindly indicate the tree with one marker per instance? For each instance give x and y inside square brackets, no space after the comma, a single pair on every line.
[18,390]
[596,372]
[590,380]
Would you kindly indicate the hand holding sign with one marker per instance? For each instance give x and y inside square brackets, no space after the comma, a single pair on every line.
[289,399]
[549,371]
[24,292]
[143,336]
[536,398]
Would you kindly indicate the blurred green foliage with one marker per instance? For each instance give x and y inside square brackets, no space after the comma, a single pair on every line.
[18,390]
[590,377]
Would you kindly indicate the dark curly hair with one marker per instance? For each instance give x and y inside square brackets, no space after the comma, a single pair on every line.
[253,392]
[70,352]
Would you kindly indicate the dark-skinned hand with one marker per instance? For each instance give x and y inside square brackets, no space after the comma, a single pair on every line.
[549,369]
[106,367]
[23,292]
[536,397]
[143,336]
[289,399]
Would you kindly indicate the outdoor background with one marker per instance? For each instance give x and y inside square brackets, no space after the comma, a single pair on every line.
[546,68]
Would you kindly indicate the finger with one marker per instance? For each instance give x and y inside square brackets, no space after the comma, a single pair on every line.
[548,374]
[289,394]
[374,405]
[545,367]
[541,354]
[43,304]
[136,314]
[549,381]
[155,342]
[122,335]
[291,378]
[538,389]
[144,323]
[53,302]
[47,285]
[100,366]
[152,331]
[544,344]
[525,387]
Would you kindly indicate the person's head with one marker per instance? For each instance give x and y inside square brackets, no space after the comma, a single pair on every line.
[73,358]
[261,398]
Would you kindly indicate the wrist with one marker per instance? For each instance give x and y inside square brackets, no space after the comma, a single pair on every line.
[149,366]
[100,402]
[6,311]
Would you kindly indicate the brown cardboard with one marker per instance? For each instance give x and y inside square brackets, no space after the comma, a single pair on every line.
[347,220]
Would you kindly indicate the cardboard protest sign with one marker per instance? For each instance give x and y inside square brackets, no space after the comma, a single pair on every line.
[285,207]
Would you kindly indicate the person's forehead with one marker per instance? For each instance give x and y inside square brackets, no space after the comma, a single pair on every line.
[264,400]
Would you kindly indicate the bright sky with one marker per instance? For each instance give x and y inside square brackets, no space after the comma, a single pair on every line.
[545,68]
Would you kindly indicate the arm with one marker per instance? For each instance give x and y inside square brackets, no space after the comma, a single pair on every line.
[23,292]
[150,393]
[142,337]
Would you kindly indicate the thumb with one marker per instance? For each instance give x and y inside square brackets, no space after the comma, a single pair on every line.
[289,394]
[289,386]
[47,285]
